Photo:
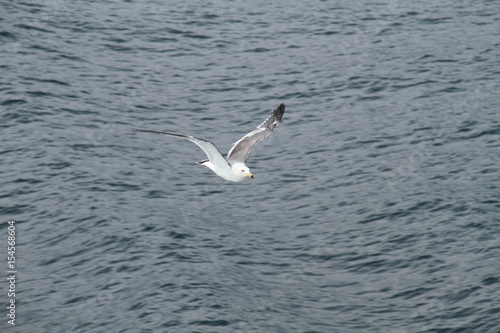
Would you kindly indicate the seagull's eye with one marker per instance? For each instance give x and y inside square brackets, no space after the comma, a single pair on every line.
[242,170]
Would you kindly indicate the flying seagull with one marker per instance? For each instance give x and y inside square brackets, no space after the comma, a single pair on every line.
[233,167]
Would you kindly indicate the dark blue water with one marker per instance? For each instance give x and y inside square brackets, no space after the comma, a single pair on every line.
[375,205]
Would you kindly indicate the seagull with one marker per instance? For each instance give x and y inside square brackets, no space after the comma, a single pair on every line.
[233,167]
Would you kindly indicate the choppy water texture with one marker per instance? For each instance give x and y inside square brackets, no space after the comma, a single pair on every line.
[375,205]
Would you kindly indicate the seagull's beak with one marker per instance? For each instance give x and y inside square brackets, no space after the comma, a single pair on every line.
[250,175]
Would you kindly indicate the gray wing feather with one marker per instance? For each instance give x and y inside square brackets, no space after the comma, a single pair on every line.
[240,150]
[212,152]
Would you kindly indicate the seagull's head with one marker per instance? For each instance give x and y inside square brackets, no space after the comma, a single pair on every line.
[246,171]
[242,169]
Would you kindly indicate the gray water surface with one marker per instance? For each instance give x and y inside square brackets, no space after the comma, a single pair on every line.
[375,204]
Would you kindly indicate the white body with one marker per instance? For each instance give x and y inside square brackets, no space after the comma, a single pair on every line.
[236,173]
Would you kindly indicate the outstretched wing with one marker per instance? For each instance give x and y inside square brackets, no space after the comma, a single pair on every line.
[239,151]
[208,147]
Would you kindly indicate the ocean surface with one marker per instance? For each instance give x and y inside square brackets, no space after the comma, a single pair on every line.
[375,205]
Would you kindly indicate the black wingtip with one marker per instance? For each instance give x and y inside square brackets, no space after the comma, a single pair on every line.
[279,111]
[146,131]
